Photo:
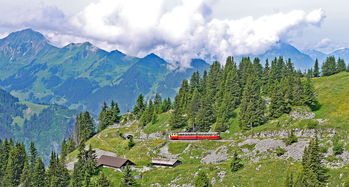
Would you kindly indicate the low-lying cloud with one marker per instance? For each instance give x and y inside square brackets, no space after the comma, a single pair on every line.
[178,33]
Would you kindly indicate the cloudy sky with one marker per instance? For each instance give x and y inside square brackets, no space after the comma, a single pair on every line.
[178,30]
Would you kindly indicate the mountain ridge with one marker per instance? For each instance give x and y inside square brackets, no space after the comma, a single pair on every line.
[75,75]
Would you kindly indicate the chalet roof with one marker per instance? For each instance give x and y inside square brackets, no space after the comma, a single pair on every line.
[164,161]
[112,161]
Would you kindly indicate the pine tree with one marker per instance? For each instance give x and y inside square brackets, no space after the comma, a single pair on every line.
[178,120]
[316,72]
[158,104]
[70,145]
[113,113]
[193,108]
[26,177]
[205,117]
[102,181]
[33,155]
[245,70]
[84,127]
[297,91]
[127,180]
[57,174]
[235,164]
[102,118]
[194,82]
[166,105]
[139,107]
[39,175]
[203,84]
[182,99]
[252,108]
[264,79]
[15,164]
[213,79]
[313,173]
[202,180]
[230,101]
[309,94]
[341,67]
[4,154]
[85,168]
[148,114]
[329,67]
[279,103]
[257,68]
[64,148]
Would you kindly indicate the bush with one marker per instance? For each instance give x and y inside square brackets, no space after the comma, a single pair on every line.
[309,123]
[323,149]
[291,138]
[236,164]
[131,143]
[202,180]
[280,151]
[338,147]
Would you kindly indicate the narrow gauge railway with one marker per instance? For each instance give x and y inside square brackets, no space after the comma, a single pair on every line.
[195,136]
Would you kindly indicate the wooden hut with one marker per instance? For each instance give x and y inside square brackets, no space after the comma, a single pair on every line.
[113,162]
[165,162]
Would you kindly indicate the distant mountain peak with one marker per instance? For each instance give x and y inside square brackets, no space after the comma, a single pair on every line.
[85,46]
[26,35]
[151,55]
[154,57]
[117,53]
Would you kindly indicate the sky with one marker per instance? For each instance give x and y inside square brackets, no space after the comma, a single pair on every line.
[179,30]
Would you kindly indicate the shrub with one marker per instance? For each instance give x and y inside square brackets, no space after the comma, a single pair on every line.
[338,147]
[280,151]
[291,138]
[250,147]
[236,164]
[202,180]
[323,149]
[309,123]
[131,143]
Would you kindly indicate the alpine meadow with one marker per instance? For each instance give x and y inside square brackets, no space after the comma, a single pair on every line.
[180,93]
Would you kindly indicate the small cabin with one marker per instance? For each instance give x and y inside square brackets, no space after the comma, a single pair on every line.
[165,162]
[113,162]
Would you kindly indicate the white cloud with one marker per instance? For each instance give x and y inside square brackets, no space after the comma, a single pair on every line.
[186,30]
[324,43]
[178,33]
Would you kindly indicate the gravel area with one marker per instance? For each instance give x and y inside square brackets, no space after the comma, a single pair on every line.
[216,156]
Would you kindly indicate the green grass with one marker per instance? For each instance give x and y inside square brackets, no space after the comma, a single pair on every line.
[333,94]
[30,111]
[177,147]
[160,125]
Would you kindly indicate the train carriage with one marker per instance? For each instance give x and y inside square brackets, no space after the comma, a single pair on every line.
[195,136]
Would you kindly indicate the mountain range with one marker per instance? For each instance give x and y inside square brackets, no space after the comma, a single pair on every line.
[83,76]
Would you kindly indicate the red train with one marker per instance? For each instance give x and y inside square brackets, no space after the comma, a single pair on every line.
[195,136]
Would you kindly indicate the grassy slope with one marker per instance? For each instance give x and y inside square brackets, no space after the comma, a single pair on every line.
[31,110]
[332,93]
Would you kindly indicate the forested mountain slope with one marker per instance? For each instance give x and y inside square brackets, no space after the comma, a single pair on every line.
[82,76]
[45,125]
